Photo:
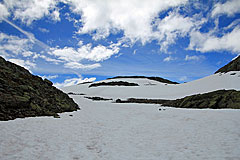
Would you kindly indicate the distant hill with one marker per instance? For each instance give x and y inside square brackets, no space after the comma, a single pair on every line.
[231,66]
[159,79]
[25,95]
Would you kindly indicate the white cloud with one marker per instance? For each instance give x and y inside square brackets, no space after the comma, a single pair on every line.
[138,19]
[135,51]
[28,53]
[3,12]
[48,59]
[74,81]
[171,27]
[206,42]
[230,8]
[55,15]
[44,30]
[98,53]
[192,58]
[30,10]
[134,17]
[49,77]
[118,55]
[169,58]
[80,43]
[183,78]
[12,47]
[13,44]
[30,36]
[26,64]
[76,65]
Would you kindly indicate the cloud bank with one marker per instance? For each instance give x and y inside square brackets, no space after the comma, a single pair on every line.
[137,19]
[105,29]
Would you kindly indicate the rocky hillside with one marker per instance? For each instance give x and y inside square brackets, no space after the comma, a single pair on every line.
[215,100]
[25,95]
[231,66]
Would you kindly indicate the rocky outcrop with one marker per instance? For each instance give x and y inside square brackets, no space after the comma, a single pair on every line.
[141,100]
[99,98]
[216,100]
[159,79]
[114,83]
[25,95]
[231,66]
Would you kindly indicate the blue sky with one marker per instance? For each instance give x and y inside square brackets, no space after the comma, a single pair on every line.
[71,41]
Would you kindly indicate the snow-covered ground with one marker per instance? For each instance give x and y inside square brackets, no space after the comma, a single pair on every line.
[107,131]
[110,131]
[154,89]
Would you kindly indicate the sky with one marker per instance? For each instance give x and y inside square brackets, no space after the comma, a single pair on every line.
[74,41]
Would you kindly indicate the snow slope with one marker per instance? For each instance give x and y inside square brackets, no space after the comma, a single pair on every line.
[110,131]
[107,131]
[154,89]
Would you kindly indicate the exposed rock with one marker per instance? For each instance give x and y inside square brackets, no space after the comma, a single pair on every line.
[80,94]
[231,66]
[118,101]
[215,100]
[48,82]
[139,100]
[25,95]
[114,83]
[159,79]
[99,98]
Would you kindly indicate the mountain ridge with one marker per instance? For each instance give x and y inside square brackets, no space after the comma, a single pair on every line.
[234,65]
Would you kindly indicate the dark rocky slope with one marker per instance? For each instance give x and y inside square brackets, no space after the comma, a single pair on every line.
[216,100]
[231,66]
[159,79]
[25,95]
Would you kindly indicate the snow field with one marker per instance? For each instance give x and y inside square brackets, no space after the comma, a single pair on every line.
[160,90]
[104,130]
[110,131]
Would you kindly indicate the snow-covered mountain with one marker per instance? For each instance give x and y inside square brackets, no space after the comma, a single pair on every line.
[103,130]
[157,90]
[226,78]
[219,90]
